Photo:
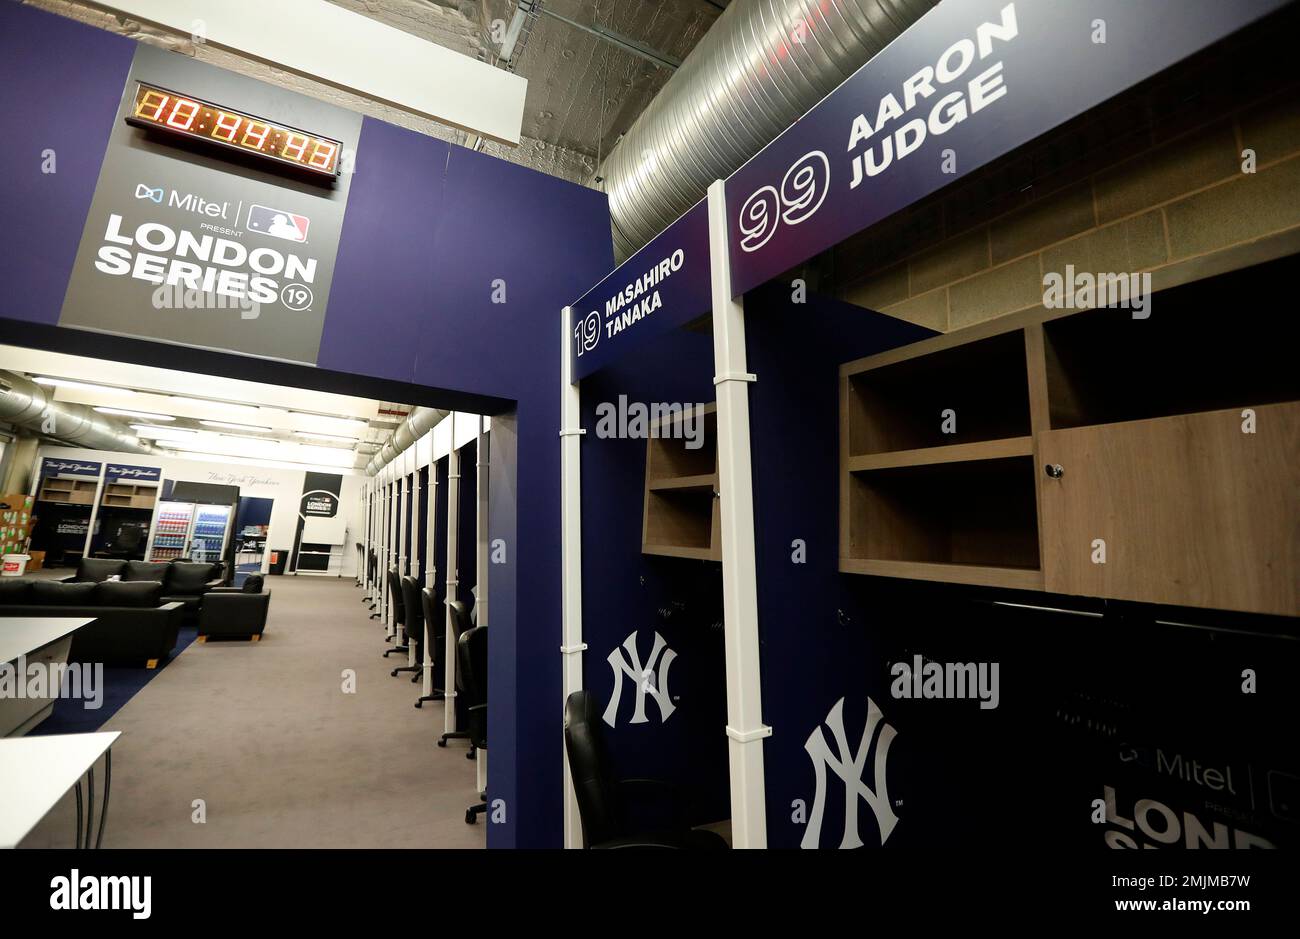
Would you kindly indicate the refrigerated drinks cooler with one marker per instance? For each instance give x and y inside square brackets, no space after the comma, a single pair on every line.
[191,531]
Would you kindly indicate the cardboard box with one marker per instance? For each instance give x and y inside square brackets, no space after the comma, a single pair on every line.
[37,560]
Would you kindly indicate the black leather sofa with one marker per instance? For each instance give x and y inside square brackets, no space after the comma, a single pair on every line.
[134,624]
[183,582]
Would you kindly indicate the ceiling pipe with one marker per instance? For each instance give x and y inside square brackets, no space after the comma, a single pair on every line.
[25,403]
[758,69]
[418,423]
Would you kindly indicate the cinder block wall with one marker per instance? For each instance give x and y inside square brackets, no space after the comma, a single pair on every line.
[1145,182]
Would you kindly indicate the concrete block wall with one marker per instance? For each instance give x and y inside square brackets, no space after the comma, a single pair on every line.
[1148,181]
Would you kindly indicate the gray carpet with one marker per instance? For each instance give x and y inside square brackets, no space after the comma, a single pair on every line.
[264,734]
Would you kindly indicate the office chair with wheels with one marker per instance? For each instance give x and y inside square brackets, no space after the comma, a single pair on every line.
[605,804]
[414,624]
[471,660]
[435,618]
[460,625]
[399,609]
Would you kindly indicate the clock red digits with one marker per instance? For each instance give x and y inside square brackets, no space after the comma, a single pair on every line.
[294,147]
[227,125]
[255,136]
[183,113]
[323,156]
[151,105]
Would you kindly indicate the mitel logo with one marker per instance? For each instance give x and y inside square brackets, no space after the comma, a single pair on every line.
[75,892]
[187,203]
[849,765]
[644,678]
[144,192]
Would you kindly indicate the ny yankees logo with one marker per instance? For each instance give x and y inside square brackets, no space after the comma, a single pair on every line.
[644,679]
[848,766]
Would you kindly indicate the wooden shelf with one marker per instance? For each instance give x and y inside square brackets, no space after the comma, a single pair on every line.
[1009,577]
[129,496]
[978,512]
[1147,421]
[956,453]
[703,481]
[958,394]
[68,491]
[676,551]
[681,516]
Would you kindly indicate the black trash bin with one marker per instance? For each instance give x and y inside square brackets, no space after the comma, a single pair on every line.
[279,558]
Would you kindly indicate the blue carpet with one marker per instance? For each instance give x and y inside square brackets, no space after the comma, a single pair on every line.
[120,686]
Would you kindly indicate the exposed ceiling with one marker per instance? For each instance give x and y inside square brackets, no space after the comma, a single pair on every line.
[224,417]
[584,91]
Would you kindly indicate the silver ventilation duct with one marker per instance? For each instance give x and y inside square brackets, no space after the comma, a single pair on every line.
[756,71]
[27,404]
[418,423]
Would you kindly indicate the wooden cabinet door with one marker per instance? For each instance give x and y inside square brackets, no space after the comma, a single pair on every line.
[1193,511]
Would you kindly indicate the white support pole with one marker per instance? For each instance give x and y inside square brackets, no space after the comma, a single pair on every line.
[571,644]
[481,570]
[100,483]
[391,561]
[481,525]
[745,726]
[430,571]
[449,646]
[414,516]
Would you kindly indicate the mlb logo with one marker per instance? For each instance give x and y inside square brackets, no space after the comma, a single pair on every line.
[278,223]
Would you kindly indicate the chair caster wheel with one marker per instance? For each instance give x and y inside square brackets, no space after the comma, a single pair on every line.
[469,755]
[418,703]
[469,816]
[393,673]
[442,743]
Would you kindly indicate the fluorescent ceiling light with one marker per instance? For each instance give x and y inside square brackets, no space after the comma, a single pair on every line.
[339,459]
[338,423]
[142,415]
[81,385]
[248,409]
[314,436]
[163,433]
[230,426]
[270,440]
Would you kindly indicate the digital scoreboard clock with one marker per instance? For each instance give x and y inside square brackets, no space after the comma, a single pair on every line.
[196,119]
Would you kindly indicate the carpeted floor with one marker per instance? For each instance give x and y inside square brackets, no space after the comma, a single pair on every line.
[282,757]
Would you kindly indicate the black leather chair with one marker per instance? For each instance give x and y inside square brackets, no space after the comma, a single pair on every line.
[399,609]
[435,619]
[607,805]
[460,624]
[414,622]
[372,566]
[234,613]
[471,661]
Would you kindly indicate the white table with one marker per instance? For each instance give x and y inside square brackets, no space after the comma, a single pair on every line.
[44,640]
[35,772]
